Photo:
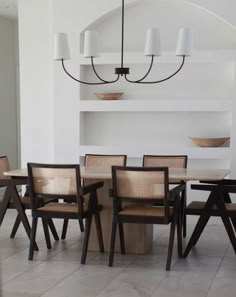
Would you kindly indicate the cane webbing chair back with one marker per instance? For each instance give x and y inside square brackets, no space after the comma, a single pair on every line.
[104,161]
[4,166]
[171,161]
[54,181]
[57,181]
[139,184]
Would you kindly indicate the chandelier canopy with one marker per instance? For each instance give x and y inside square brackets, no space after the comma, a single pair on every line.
[152,49]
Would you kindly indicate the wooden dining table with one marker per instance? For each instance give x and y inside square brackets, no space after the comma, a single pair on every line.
[138,237]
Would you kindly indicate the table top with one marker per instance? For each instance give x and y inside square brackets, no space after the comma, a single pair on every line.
[185,174]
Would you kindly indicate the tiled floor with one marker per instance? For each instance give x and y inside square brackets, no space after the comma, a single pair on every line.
[208,271]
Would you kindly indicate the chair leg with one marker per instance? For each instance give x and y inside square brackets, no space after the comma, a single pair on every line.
[179,236]
[32,238]
[171,244]
[184,216]
[227,199]
[15,227]
[53,229]
[230,231]
[202,221]
[112,244]
[99,231]
[64,228]
[233,220]
[4,204]
[226,219]
[122,238]
[196,238]
[81,225]
[46,233]
[86,238]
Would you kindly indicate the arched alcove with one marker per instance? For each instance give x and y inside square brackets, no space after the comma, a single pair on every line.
[209,30]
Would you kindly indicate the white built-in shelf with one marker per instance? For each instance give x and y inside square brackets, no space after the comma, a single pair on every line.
[138,151]
[206,89]
[168,57]
[208,105]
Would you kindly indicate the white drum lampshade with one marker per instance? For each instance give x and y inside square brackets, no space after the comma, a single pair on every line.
[153,43]
[91,44]
[185,42]
[61,48]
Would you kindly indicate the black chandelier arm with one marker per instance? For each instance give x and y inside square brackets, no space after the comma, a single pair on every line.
[84,82]
[158,81]
[98,76]
[139,80]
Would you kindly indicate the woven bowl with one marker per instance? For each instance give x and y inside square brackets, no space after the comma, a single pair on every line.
[109,96]
[209,142]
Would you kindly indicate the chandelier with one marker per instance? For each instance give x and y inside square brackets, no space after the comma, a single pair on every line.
[152,49]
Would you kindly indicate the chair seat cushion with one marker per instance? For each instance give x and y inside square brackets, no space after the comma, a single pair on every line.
[25,200]
[61,207]
[143,210]
[199,205]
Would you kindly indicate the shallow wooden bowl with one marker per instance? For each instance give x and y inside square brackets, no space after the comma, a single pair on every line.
[209,142]
[109,96]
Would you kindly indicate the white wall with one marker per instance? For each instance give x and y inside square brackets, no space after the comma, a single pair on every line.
[35,43]
[8,91]
[49,100]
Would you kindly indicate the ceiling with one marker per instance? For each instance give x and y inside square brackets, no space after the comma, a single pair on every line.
[8,8]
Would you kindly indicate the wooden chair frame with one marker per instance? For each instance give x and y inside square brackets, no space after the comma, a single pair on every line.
[9,201]
[170,196]
[87,156]
[80,214]
[218,204]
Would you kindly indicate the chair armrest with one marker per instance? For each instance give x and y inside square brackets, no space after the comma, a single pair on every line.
[15,182]
[91,188]
[174,192]
[220,182]
[217,187]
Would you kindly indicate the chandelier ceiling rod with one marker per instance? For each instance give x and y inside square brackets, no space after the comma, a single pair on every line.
[152,49]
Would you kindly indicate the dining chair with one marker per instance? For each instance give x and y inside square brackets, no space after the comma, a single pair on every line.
[97,161]
[24,200]
[218,204]
[171,161]
[58,182]
[140,188]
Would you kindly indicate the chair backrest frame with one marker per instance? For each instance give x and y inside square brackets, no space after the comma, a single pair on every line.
[118,199]
[4,166]
[112,160]
[166,160]
[35,195]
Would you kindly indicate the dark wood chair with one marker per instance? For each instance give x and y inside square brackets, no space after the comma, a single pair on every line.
[52,182]
[96,161]
[171,161]
[24,200]
[218,204]
[140,188]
